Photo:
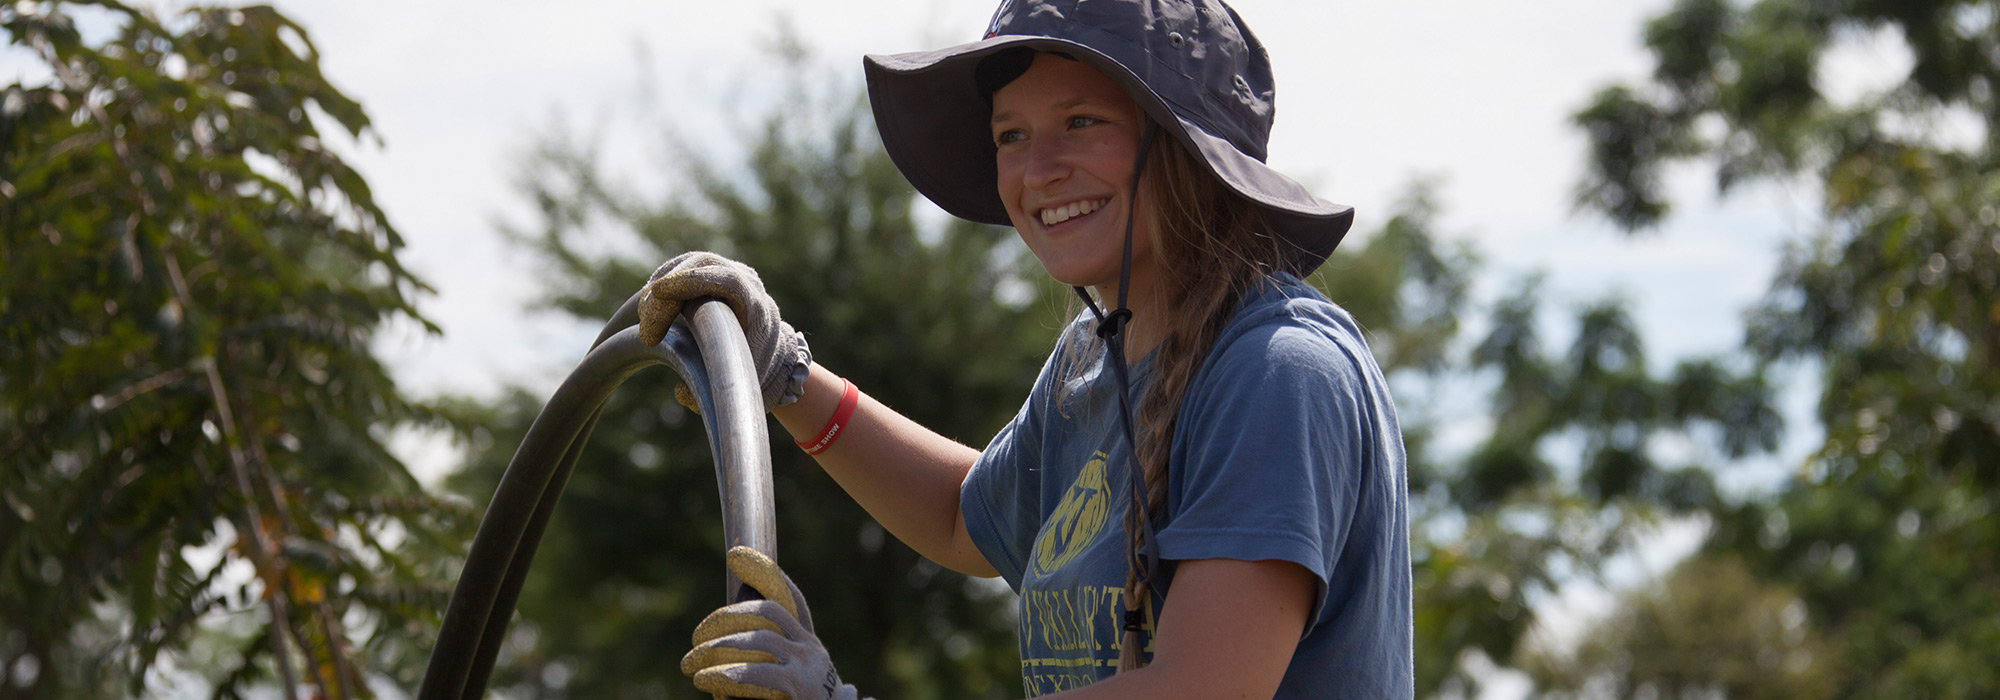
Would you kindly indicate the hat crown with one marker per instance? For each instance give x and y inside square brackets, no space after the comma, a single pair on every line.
[1196,55]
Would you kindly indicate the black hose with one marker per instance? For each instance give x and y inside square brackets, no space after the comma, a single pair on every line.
[515,574]
[716,365]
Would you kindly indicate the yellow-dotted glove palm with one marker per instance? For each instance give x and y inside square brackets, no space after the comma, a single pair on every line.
[763,648]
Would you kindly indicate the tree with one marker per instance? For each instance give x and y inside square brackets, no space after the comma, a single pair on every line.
[1885,531]
[1709,629]
[193,420]
[1566,476]
[945,323]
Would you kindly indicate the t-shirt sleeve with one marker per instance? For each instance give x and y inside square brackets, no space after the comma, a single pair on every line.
[1001,494]
[1266,449]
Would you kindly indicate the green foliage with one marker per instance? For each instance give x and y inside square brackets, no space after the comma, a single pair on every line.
[1567,476]
[1710,629]
[1886,530]
[1627,137]
[191,282]
[946,324]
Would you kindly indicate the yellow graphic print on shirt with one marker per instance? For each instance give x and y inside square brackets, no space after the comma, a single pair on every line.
[1074,636]
[1075,522]
[1070,634]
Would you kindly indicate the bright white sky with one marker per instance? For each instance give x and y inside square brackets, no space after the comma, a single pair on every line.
[1371,94]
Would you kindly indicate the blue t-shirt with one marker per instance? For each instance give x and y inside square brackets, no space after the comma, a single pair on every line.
[1287,448]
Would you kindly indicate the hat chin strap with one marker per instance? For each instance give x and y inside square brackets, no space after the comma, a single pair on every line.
[1145,562]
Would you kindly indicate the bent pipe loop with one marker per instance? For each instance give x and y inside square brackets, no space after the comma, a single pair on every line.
[707,348]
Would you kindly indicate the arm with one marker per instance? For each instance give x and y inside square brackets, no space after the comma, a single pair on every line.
[906,476]
[1227,631]
[903,474]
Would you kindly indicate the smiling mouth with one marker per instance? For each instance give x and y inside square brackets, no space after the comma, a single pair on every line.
[1057,215]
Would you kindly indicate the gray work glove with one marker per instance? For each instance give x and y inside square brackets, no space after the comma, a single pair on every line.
[763,648]
[780,353]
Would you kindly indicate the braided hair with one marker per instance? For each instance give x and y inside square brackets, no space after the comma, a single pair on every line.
[1212,247]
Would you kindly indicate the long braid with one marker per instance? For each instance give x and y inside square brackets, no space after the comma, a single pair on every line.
[1211,249]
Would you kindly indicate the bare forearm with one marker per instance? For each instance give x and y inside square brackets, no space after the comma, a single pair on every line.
[904,474]
[1227,632]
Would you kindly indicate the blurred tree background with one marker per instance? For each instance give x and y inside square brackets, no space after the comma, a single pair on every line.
[1567,476]
[192,421]
[1884,537]
[192,281]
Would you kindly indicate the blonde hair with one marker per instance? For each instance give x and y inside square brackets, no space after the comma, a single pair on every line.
[1211,247]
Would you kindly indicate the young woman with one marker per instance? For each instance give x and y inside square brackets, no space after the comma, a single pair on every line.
[1230,417]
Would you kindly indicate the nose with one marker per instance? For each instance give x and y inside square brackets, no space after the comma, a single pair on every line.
[1045,164]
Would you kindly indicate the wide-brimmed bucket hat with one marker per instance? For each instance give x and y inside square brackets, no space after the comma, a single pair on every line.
[1192,65]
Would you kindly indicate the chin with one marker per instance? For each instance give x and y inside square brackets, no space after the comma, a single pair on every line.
[1076,275]
[1090,282]
[1088,258]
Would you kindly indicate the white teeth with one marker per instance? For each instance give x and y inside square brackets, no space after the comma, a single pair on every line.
[1057,215]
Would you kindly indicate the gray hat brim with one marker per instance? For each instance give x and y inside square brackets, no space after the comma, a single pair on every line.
[936,126]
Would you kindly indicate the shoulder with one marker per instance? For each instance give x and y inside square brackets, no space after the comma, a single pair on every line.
[1287,333]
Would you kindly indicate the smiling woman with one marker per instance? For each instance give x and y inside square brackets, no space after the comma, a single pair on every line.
[1066,139]
[1124,141]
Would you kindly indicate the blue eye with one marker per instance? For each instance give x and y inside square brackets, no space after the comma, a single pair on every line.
[1008,136]
[1080,121]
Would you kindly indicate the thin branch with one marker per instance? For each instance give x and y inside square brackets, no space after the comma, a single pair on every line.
[312,664]
[260,463]
[104,404]
[263,555]
[329,627]
[344,673]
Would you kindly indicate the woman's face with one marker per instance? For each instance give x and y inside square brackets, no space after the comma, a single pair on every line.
[1067,136]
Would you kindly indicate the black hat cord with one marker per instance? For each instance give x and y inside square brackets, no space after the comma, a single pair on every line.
[1145,562]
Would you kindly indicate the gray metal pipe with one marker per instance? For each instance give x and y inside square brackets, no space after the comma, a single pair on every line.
[737,435]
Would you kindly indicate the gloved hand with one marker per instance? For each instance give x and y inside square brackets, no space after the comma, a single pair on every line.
[763,648]
[779,352]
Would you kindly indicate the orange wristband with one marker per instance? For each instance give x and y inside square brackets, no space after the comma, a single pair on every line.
[849,398]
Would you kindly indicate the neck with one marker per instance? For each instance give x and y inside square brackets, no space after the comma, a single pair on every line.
[1147,326]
